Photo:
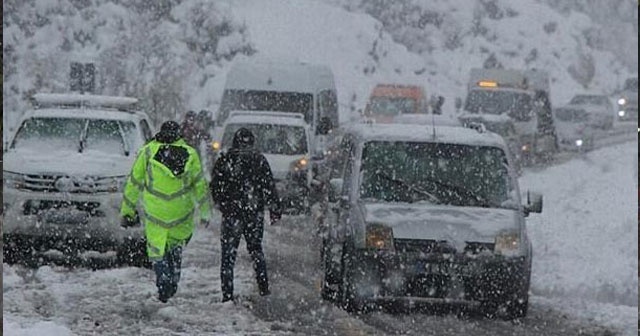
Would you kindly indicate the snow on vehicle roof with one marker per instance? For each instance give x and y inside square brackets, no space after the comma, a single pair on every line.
[42,100]
[503,77]
[426,119]
[282,77]
[424,133]
[87,112]
[266,117]
[496,118]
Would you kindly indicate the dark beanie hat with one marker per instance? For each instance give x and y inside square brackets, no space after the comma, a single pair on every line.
[169,132]
[243,138]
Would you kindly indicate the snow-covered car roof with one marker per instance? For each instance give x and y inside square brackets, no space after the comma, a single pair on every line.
[266,117]
[278,76]
[424,133]
[426,119]
[87,112]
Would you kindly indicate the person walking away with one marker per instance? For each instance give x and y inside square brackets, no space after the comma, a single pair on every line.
[167,177]
[242,186]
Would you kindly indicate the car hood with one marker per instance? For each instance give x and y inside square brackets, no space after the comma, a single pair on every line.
[280,164]
[88,163]
[456,225]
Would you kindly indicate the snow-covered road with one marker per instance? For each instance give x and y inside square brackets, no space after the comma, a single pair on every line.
[584,281]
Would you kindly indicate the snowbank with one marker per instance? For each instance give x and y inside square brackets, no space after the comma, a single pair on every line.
[585,242]
[42,328]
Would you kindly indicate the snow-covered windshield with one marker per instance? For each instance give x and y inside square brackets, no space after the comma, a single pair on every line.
[271,139]
[452,174]
[250,100]
[571,115]
[52,134]
[589,100]
[517,105]
[391,106]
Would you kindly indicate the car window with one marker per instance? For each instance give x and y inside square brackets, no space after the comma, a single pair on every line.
[272,139]
[146,130]
[454,174]
[329,105]
[107,136]
[49,134]
[517,105]
[251,100]
[392,106]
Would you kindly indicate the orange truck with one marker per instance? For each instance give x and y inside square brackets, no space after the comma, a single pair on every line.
[390,100]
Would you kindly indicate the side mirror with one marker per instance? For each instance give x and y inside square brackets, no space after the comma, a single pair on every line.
[534,203]
[324,126]
[335,189]
[458,103]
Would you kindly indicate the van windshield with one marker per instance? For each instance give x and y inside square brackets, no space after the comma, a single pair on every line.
[77,134]
[251,100]
[517,105]
[271,139]
[392,106]
[460,175]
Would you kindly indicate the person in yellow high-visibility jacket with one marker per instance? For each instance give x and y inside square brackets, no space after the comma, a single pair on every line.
[167,178]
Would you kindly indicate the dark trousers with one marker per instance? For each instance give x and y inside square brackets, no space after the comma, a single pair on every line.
[168,272]
[233,229]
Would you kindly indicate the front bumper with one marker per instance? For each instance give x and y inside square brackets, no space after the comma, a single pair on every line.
[439,279]
[53,219]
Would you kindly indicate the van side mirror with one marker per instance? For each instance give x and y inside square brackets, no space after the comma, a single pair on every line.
[534,203]
[324,126]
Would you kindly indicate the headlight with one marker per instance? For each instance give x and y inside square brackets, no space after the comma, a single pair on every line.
[579,142]
[300,164]
[621,113]
[215,145]
[622,101]
[379,237]
[525,148]
[507,243]
[12,180]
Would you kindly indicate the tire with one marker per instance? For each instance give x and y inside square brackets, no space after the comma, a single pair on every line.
[347,292]
[328,276]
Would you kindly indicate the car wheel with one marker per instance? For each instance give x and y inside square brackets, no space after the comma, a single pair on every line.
[350,300]
[133,252]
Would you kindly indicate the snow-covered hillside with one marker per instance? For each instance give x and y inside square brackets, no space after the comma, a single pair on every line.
[174,54]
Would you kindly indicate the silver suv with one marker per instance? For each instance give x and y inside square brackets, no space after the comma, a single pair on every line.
[419,215]
[64,172]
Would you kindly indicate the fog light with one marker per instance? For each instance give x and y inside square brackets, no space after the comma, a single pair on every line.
[622,101]
[579,142]
[621,113]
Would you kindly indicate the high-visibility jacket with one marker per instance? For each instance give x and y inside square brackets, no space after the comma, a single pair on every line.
[168,200]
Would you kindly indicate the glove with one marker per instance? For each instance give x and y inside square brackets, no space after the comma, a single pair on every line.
[128,221]
[274,216]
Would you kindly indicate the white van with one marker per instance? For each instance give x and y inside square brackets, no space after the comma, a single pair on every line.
[285,87]
[285,140]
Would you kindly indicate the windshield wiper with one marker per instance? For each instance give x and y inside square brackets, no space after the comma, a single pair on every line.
[462,192]
[83,137]
[408,186]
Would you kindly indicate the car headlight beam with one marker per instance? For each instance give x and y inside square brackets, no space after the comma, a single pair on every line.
[507,243]
[622,101]
[13,180]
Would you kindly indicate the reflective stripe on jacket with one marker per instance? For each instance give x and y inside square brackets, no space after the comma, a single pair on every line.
[168,200]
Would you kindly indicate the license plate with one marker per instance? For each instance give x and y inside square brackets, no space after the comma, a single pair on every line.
[432,268]
[64,217]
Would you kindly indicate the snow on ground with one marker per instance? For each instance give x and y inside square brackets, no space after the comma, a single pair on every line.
[54,301]
[585,242]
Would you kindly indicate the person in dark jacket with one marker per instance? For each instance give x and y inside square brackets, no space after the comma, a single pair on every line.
[193,132]
[242,186]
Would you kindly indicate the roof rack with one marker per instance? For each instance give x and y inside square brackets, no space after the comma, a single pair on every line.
[296,115]
[74,100]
